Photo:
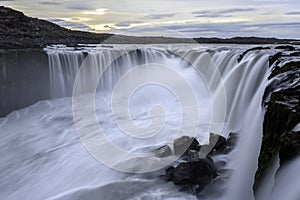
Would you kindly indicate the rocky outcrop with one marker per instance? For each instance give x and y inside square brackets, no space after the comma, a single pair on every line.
[196,170]
[196,173]
[282,114]
[185,143]
[286,47]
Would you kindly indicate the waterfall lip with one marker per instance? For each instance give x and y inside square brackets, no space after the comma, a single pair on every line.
[110,155]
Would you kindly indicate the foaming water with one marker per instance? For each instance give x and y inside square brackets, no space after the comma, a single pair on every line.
[42,154]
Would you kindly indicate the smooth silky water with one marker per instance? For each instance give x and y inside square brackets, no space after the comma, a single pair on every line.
[42,156]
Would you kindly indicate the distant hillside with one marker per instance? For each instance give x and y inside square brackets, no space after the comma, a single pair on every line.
[20,31]
[246,40]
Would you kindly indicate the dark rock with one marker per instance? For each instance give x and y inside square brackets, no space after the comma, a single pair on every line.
[290,147]
[287,67]
[184,143]
[282,115]
[198,173]
[230,143]
[274,58]
[286,47]
[232,139]
[220,142]
[163,151]
[297,54]
[169,176]
[217,144]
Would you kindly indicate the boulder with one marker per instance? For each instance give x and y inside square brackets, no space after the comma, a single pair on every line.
[198,173]
[163,151]
[216,144]
[184,143]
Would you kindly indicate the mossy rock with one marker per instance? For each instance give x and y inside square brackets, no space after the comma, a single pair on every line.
[282,115]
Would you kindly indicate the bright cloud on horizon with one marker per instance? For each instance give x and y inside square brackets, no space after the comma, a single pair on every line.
[190,18]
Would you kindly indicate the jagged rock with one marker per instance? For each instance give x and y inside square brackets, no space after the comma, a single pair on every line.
[217,144]
[195,169]
[163,151]
[290,147]
[230,142]
[198,173]
[274,58]
[182,144]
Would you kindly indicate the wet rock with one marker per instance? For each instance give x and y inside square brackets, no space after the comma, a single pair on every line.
[282,115]
[286,47]
[217,144]
[296,54]
[230,142]
[169,173]
[290,147]
[220,142]
[163,151]
[184,143]
[198,173]
[274,58]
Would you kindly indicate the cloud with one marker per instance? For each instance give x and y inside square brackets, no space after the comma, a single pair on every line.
[55,20]
[79,6]
[50,3]
[293,13]
[159,16]
[203,12]
[212,16]
[221,13]
[232,29]
[97,12]
[127,23]
[235,10]
[71,25]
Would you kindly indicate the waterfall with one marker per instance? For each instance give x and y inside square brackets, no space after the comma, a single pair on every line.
[142,97]
[63,68]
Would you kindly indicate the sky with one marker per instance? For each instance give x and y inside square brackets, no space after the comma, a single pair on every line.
[182,18]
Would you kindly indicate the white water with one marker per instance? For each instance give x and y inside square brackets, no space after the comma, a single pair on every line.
[42,156]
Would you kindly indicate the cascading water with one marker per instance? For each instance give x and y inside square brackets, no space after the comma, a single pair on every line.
[45,158]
